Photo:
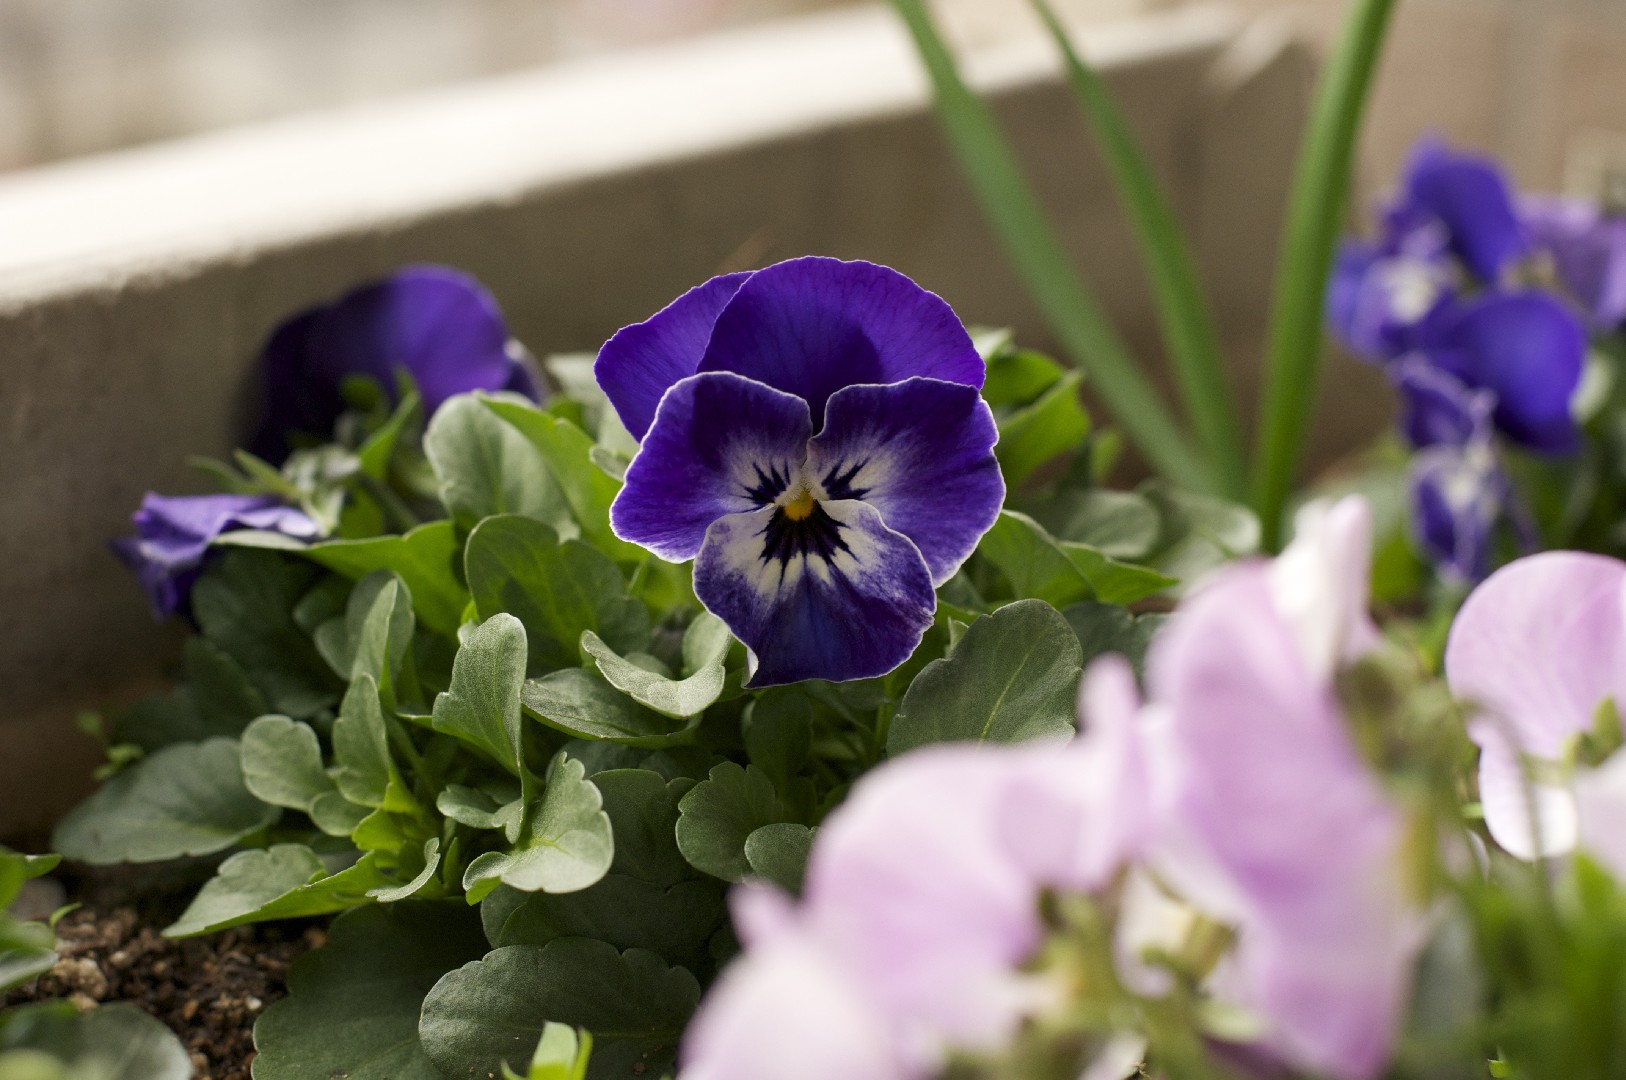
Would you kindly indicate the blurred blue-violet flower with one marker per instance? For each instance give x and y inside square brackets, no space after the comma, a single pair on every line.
[1587,246]
[813,436]
[438,325]
[1466,203]
[173,533]
[1459,497]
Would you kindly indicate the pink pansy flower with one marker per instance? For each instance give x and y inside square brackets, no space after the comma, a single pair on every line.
[1538,648]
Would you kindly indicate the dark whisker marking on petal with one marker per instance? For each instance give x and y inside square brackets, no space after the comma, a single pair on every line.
[838,483]
[769,485]
[819,534]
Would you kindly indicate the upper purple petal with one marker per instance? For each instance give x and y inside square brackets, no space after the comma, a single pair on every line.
[1436,408]
[436,323]
[721,444]
[1472,198]
[922,453]
[812,326]
[639,364]
[1588,249]
[836,596]
[174,533]
[1530,351]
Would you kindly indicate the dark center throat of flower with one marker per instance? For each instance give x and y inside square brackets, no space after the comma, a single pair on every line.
[802,528]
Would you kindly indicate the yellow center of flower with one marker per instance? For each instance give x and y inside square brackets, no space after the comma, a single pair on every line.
[799,508]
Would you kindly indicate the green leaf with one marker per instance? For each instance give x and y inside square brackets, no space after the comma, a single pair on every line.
[284,881]
[1122,524]
[112,1042]
[481,708]
[581,703]
[479,810]
[353,1005]
[1033,562]
[376,452]
[224,698]
[244,604]
[376,631]
[1041,432]
[643,810]
[1033,245]
[1188,327]
[1018,377]
[1200,534]
[1315,215]
[486,467]
[187,799]
[562,1054]
[493,1011]
[27,951]
[282,763]
[557,589]
[425,559]
[717,816]
[567,452]
[1013,676]
[1108,628]
[779,733]
[705,645]
[566,846]
[1116,582]
[675,922]
[363,769]
[779,853]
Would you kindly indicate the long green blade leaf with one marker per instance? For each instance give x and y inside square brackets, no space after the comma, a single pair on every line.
[1032,245]
[1320,190]
[1188,328]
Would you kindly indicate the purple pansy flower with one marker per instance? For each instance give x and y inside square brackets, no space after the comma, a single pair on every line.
[814,438]
[1466,202]
[173,533]
[1381,295]
[1459,495]
[439,325]
[1587,246]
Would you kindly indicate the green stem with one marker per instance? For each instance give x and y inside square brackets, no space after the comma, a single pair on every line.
[1188,327]
[1314,216]
[1034,248]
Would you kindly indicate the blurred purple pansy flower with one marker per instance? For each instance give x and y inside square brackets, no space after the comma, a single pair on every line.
[1587,246]
[1459,496]
[1538,649]
[1380,295]
[1466,203]
[813,437]
[173,533]
[437,324]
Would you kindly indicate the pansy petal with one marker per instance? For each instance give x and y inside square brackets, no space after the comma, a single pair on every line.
[814,325]
[1436,407]
[1458,496]
[720,444]
[1588,252]
[1321,582]
[1519,809]
[639,364]
[1474,201]
[1529,350]
[922,453]
[836,596]
[1540,645]
[1600,798]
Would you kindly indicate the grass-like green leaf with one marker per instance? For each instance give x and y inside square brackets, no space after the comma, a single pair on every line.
[1188,327]
[1013,676]
[1034,247]
[1314,218]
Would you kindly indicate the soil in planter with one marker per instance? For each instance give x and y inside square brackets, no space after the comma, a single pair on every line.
[208,990]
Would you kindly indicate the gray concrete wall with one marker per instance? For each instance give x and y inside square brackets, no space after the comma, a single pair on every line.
[136,289]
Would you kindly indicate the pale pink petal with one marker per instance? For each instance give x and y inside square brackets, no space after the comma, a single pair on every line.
[1600,796]
[1508,796]
[1541,645]
[1321,581]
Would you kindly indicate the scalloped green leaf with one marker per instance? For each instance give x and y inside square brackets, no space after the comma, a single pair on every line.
[720,813]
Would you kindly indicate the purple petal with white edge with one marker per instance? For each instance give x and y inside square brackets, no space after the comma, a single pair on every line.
[1321,583]
[793,1012]
[1458,496]
[174,533]
[1541,644]
[835,596]
[1473,199]
[1436,407]
[642,361]
[1377,301]
[1600,797]
[721,444]
[812,326]
[922,453]
[439,324]
[1304,859]
[1530,351]
[912,882]
[1588,250]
